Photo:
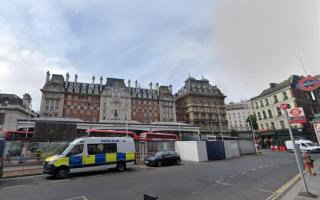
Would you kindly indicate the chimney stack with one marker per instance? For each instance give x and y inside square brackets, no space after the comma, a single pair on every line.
[26,100]
[129,83]
[48,76]
[93,79]
[67,80]
[101,80]
[273,85]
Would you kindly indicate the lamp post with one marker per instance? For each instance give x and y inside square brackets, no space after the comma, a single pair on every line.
[296,150]
[253,135]
[211,128]
[220,123]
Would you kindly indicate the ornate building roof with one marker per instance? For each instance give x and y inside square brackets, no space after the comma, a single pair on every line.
[202,87]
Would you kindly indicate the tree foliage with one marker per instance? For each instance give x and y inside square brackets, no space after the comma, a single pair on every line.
[252,119]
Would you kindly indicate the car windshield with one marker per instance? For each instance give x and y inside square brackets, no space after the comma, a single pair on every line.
[161,153]
[309,144]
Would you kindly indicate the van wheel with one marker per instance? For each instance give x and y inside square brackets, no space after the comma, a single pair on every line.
[121,167]
[178,162]
[160,164]
[62,173]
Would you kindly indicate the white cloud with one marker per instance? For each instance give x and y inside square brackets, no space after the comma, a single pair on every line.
[23,70]
[258,41]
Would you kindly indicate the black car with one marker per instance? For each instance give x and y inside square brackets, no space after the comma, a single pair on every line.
[163,158]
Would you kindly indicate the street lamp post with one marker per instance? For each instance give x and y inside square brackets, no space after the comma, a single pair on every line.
[307,193]
[253,135]
[211,128]
[220,123]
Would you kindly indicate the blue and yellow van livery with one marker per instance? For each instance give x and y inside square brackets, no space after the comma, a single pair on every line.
[87,154]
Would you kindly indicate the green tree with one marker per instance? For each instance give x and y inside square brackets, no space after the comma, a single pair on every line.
[233,133]
[252,119]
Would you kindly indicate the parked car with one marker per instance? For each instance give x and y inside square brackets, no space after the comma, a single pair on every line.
[304,145]
[163,158]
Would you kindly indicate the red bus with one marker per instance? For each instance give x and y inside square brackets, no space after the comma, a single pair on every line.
[111,133]
[147,136]
[9,135]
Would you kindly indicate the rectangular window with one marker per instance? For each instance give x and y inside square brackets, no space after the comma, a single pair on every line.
[261,103]
[282,125]
[279,111]
[102,148]
[285,96]
[2,117]
[275,99]
[267,102]
[273,126]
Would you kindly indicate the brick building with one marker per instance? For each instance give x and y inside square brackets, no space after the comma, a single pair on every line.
[67,99]
[113,100]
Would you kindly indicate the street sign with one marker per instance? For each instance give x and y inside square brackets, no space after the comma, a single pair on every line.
[284,106]
[296,115]
[309,83]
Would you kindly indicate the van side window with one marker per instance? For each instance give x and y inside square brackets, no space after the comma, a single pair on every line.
[303,145]
[102,148]
[78,149]
[110,148]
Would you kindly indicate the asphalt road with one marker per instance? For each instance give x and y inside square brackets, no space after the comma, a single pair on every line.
[249,177]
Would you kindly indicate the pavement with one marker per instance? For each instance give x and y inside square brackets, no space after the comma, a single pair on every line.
[297,191]
[248,177]
[21,170]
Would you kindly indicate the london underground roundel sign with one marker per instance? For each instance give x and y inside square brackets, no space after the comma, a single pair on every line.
[295,111]
[309,83]
[296,115]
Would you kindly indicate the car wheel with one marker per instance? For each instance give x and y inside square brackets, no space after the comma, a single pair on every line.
[178,162]
[160,164]
[121,167]
[62,173]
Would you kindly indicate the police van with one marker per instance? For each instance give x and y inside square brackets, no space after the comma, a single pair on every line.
[91,154]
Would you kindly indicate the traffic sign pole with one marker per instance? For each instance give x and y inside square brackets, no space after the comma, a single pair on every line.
[296,153]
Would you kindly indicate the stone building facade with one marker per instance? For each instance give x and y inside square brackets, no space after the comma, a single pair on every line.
[113,100]
[201,104]
[237,115]
[13,108]
[267,104]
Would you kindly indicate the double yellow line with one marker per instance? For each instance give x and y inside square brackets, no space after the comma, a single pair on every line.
[283,188]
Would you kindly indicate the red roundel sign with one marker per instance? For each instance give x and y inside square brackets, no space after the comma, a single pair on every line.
[309,83]
[295,111]
[296,115]
[284,106]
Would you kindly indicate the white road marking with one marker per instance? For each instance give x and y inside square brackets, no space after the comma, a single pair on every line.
[81,197]
[233,176]
[261,167]
[58,181]
[266,165]
[223,183]
[283,188]
[16,186]
[253,170]
[244,172]
[268,191]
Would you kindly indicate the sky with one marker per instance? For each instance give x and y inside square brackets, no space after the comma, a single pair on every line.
[239,45]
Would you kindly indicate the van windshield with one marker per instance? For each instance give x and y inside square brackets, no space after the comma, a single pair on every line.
[66,150]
